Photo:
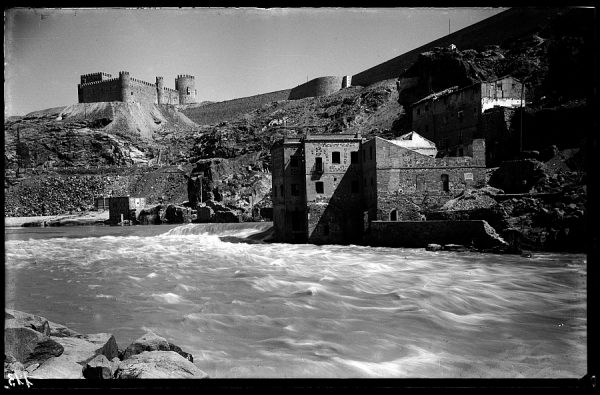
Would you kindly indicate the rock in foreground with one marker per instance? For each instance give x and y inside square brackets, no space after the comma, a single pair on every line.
[158,365]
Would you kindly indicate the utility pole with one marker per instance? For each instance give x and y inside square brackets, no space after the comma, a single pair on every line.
[521,118]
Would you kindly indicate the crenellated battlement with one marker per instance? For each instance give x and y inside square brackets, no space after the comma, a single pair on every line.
[99,82]
[100,86]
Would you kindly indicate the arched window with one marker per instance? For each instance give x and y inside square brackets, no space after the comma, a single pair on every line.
[394,215]
[188,91]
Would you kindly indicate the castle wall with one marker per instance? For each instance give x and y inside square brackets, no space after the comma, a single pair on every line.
[100,91]
[101,87]
[321,86]
[142,91]
[499,28]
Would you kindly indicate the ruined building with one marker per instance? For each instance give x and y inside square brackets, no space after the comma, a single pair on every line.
[102,87]
[328,188]
[455,116]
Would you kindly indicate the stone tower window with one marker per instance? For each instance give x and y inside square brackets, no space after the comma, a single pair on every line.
[319,187]
[188,91]
[335,157]
[445,183]
[394,215]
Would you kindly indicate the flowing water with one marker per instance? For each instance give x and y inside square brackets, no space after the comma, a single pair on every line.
[245,308]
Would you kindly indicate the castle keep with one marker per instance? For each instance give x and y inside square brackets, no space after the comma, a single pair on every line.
[102,87]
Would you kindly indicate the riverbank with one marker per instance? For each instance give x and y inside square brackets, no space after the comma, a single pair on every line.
[40,349]
[87,218]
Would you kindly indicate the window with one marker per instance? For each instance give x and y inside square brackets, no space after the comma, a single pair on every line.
[445,183]
[295,190]
[318,164]
[355,187]
[319,187]
[294,161]
[335,157]
[188,91]
[354,157]
[394,215]
[420,182]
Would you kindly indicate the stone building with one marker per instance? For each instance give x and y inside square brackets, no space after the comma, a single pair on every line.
[453,117]
[102,87]
[327,188]
[125,207]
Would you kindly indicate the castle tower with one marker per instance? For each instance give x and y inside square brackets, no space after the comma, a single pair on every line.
[186,86]
[159,90]
[126,92]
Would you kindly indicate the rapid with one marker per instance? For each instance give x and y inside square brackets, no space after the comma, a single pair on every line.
[246,308]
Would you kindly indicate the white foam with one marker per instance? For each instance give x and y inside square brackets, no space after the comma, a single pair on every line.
[169,298]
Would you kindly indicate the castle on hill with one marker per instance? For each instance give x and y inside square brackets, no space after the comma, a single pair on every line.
[102,87]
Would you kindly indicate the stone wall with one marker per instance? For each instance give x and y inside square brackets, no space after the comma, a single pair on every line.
[321,86]
[417,234]
[335,214]
[100,91]
[404,181]
[449,121]
[99,87]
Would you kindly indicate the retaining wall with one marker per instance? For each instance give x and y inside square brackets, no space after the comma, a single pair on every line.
[417,234]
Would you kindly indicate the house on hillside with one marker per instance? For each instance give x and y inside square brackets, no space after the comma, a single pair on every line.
[455,116]
[328,188]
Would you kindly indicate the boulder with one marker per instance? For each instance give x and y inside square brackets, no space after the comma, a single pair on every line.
[107,344]
[99,368]
[40,324]
[148,342]
[57,368]
[179,351]
[28,345]
[158,364]
[433,247]
[78,351]
[58,330]
[455,247]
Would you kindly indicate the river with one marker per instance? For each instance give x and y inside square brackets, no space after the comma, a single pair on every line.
[245,308]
